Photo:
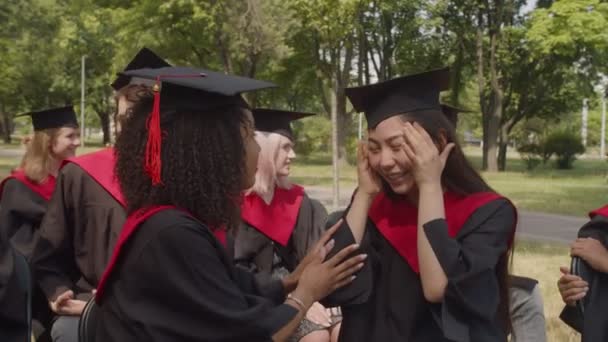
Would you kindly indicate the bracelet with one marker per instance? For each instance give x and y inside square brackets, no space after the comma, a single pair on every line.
[297,301]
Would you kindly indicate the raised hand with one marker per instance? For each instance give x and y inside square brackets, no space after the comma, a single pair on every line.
[427,162]
[369,181]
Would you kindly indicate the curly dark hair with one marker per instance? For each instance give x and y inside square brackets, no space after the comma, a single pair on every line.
[203,161]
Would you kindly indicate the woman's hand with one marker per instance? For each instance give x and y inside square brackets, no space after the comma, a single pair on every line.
[427,162]
[369,180]
[320,278]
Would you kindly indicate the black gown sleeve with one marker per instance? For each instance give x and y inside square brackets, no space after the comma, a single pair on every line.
[202,300]
[358,291]
[53,254]
[470,262]
[21,211]
[309,227]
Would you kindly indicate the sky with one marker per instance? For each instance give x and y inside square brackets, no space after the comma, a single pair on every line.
[530,4]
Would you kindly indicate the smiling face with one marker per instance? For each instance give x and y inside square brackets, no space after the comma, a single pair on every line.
[285,155]
[65,142]
[387,158]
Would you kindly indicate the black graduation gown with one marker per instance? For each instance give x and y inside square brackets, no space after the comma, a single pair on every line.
[175,282]
[21,211]
[13,324]
[386,301]
[254,251]
[593,324]
[77,234]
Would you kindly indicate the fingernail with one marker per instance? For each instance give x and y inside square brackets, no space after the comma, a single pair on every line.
[586,289]
[356,245]
[363,256]
[331,242]
[353,277]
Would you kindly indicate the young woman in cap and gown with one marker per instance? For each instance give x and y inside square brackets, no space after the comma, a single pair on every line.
[437,236]
[190,155]
[24,197]
[584,286]
[83,220]
[280,222]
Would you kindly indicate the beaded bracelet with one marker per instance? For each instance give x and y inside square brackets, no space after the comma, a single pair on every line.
[297,301]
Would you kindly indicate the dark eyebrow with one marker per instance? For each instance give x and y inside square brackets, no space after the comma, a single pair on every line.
[393,138]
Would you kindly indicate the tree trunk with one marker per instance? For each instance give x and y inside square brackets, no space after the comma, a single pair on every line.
[6,126]
[343,125]
[334,144]
[481,87]
[104,118]
[497,102]
[503,145]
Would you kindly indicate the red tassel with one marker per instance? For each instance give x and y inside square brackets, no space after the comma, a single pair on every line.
[152,158]
[153,161]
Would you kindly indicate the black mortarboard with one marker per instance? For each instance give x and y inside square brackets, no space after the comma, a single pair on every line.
[53,118]
[145,58]
[276,121]
[188,89]
[405,94]
[452,112]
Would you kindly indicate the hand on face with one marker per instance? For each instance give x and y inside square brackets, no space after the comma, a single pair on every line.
[369,181]
[592,251]
[427,162]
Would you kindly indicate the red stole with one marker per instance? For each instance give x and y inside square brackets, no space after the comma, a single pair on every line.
[100,166]
[44,189]
[133,222]
[603,211]
[277,220]
[397,219]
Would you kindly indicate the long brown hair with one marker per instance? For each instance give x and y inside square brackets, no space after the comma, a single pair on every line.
[36,162]
[460,177]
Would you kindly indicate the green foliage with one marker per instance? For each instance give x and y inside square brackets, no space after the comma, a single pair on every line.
[313,135]
[565,144]
[572,29]
[531,155]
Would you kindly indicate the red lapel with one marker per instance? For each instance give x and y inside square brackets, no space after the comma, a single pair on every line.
[603,211]
[44,189]
[397,219]
[100,166]
[277,220]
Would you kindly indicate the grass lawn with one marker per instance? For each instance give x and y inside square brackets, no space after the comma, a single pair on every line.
[541,261]
[568,192]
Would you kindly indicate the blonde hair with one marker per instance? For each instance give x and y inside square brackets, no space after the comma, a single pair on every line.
[266,176]
[37,161]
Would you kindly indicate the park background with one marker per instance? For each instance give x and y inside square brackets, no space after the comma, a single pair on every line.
[530,73]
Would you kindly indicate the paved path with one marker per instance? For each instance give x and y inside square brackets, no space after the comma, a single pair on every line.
[532,225]
[11,152]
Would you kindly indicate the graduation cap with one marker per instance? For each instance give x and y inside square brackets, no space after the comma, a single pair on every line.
[145,58]
[405,94]
[452,112]
[188,89]
[276,121]
[53,118]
